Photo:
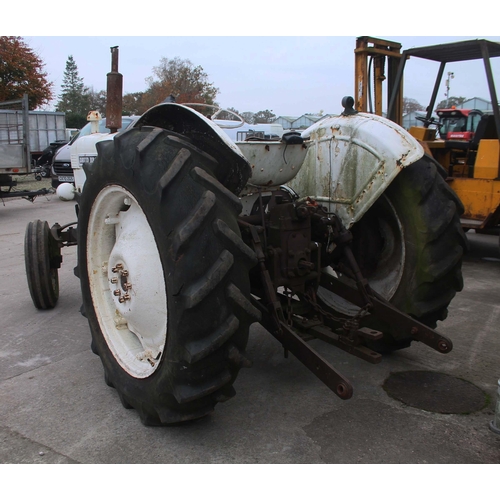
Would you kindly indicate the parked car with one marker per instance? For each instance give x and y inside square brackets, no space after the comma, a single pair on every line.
[61,170]
[43,164]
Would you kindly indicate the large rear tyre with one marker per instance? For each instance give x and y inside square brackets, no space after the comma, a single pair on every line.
[164,275]
[409,246]
[42,258]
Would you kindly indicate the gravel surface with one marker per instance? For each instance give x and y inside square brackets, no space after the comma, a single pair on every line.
[29,183]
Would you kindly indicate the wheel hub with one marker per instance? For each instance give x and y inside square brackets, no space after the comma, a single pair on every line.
[123,287]
[126,281]
[383,233]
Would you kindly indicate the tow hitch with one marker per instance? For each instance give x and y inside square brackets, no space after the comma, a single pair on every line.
[288,304]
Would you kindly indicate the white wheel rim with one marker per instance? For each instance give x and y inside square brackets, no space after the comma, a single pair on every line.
[387,278]
[126,281]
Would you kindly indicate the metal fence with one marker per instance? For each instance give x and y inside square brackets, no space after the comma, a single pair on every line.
[25,134]
[14,135]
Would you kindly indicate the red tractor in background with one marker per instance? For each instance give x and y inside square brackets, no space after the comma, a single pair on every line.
[458,124]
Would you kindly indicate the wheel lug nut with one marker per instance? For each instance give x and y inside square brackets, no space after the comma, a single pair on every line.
[117,292]
[114,280]
[123,298]
[117,268]
[125,273]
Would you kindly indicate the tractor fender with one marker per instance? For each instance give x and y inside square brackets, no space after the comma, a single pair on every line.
[352,160]
[205,135]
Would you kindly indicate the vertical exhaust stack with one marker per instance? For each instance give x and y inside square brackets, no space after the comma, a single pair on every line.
[114,100]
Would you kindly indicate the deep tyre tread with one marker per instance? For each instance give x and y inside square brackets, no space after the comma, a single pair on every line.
[205,266]
[41,273]
[436,242]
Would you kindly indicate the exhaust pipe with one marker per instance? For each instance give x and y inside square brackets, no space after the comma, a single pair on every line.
[114,94]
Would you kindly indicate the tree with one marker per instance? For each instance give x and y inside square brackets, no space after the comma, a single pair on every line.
[180,78]
[97,101]
[248,116]
[227,116]
[266,116]
[450,102]
[410,105]
[21,72]
[74,99]
[132,103]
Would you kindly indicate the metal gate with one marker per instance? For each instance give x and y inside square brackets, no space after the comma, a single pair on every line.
[15,154]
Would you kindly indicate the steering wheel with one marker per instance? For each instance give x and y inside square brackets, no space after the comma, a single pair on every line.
[428,121]
[218,111]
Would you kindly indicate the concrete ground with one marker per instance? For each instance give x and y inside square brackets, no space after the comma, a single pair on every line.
[56,408]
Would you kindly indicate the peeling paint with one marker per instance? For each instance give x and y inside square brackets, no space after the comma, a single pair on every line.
[352,160]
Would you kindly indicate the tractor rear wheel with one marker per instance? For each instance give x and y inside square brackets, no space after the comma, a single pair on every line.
[164,275]
[409,246]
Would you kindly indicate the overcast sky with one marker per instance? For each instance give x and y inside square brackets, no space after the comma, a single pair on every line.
[289,75]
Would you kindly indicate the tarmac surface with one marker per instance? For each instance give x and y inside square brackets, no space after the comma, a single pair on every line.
[55,407]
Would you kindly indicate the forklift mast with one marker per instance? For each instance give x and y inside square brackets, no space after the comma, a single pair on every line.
[371,55]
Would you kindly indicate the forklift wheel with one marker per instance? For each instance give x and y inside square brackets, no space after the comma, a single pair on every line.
[42,257]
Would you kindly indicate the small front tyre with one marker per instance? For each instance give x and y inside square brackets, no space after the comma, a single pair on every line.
[42,258]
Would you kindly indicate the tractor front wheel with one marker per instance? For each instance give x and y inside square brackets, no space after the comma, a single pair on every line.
[42,258]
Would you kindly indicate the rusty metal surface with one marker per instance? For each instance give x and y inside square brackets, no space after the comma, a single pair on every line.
[293,242]
[435,392]
[287,251]
[290,260]
[373,52]
[307,355]
[351,161]
[387,312]
[114,93]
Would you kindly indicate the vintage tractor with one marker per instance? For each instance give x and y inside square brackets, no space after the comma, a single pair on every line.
[346,232]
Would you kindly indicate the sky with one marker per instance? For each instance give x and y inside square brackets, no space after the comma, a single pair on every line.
[285,73]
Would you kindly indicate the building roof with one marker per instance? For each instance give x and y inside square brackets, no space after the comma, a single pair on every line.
[288,118]
[477,99]
[313,117]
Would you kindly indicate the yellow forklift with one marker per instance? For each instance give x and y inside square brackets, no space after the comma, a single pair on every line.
[472,164]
